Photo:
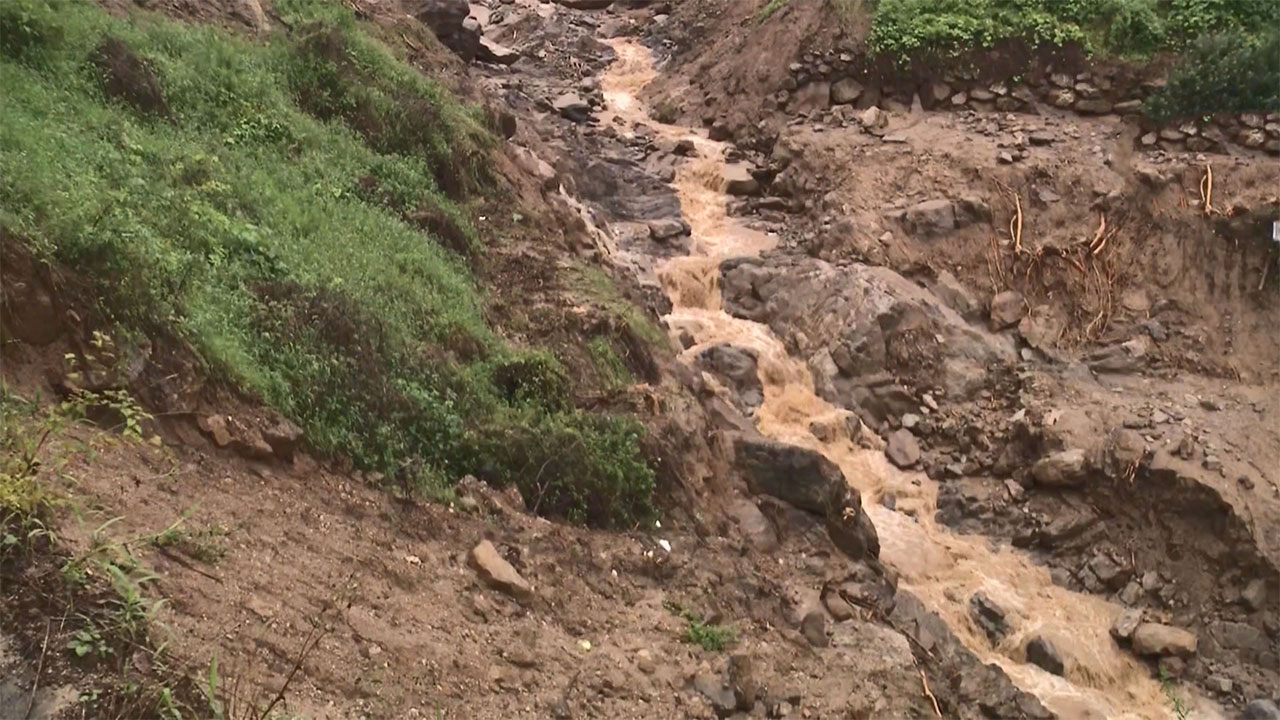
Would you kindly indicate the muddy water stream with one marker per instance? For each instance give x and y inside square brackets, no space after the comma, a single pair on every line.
[942,568]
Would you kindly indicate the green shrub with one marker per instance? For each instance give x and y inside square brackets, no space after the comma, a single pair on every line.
[908,28]
[575,465]
[905,29]
[1137,27]
[299,223]
[1227,73]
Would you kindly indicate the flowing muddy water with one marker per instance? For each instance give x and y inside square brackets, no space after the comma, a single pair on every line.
[942,568]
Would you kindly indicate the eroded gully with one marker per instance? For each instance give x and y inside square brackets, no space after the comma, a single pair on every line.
[942,568]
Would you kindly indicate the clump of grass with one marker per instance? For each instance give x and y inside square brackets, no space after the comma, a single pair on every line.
[712,638]
[297,215]
[608,363]
[206,544]
[770,9]
[1179,706]
[594,283]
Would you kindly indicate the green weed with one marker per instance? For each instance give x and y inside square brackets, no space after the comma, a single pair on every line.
[712,638]
[609,363]
[1179,706]
[770,9]
[205,544]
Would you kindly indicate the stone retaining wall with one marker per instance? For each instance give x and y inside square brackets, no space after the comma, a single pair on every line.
[818,82]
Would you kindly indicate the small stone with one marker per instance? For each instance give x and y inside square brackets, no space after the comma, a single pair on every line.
[845,91]
[989,616]
[498,573]
[814,628]
[1107,570]
[1131,593]
[910,420]
[839,608]
[644,662]
[667,228]
[1125,625]
[215,426]
[1159,640]
[1221,685]
[1212,404]
[1151,581]
[1015,490]
[1006,309]
[1042,652]
[902,449]
[1255,594]
[714,689]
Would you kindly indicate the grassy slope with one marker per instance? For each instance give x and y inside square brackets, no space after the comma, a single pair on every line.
[267,221]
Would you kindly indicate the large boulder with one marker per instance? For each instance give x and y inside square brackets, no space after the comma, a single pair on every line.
[572,106]
[1261,709]
[809,481]
[1159,640]
[931,218]
[814,97]
[863,330]
[738,180]
[800,476]
[448,19]
[845,91]
[496,572]
[1061,469]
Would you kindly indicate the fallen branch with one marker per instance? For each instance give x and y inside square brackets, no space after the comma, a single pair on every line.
[1266,268]
[313,639]
[924,680]
[35,684]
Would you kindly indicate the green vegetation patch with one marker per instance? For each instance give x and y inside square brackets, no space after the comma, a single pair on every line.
[908,28]
[292,209]
[1222,73]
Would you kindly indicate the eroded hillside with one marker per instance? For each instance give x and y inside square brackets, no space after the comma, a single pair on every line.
[432,359]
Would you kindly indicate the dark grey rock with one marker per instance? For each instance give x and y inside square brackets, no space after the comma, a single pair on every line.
[1040,651]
